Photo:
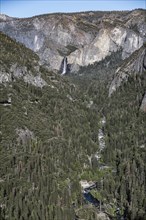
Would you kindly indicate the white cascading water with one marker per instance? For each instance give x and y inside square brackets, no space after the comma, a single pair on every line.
[64,66]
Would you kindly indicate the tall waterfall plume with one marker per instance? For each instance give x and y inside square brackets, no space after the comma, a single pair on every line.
[64,66]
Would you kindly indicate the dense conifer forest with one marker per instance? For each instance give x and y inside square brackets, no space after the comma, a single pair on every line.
[40,174]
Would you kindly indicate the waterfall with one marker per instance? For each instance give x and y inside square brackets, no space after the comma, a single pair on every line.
[64,70]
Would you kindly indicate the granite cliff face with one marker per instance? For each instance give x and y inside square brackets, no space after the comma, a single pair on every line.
[85,38]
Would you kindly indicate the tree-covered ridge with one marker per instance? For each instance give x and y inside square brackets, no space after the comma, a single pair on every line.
[125,140]
[14,52]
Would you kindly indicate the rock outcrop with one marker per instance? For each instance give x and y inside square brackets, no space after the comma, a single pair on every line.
[24,136]
[84,38]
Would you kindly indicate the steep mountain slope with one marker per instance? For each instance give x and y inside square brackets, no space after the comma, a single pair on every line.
[126,146]
[84,38]
[135,64]
[45,128]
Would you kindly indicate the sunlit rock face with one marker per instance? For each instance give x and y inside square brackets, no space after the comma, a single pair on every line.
[85,184]
[107,41]
[84,38]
